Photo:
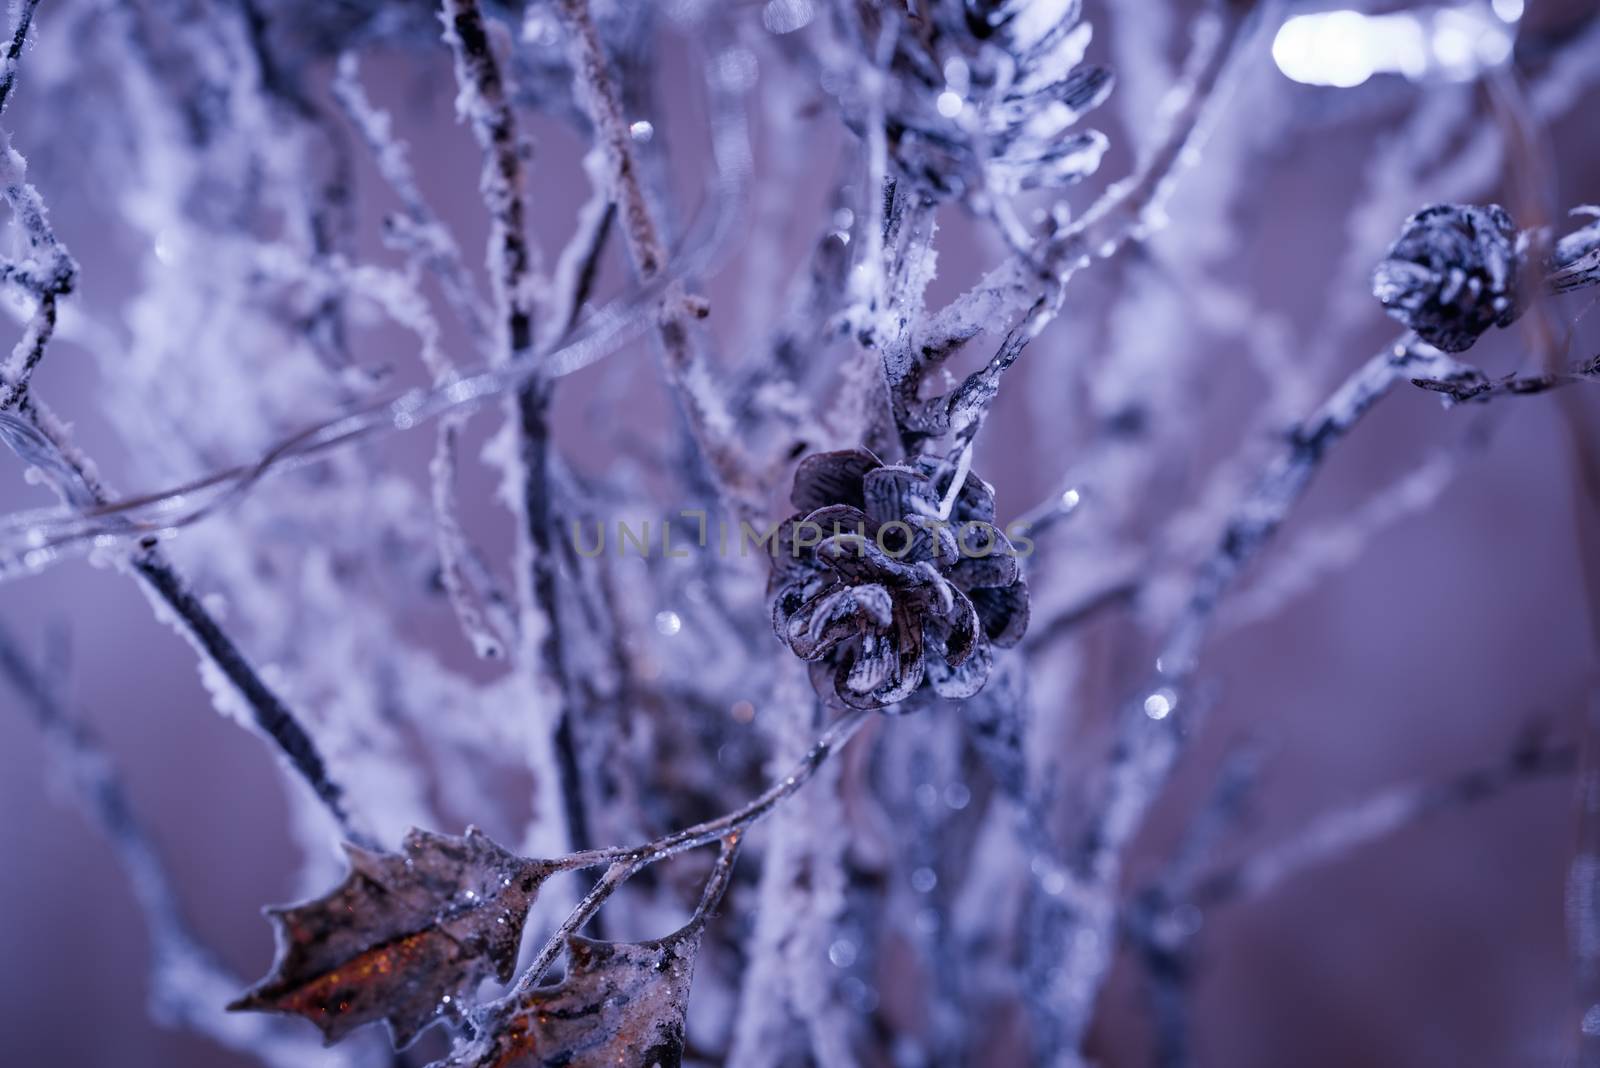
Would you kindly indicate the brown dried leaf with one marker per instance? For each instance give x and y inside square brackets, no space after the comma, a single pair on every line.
[621,1006]
[403,937]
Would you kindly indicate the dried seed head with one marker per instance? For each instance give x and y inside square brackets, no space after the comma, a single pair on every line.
[1453,273]
[881,595]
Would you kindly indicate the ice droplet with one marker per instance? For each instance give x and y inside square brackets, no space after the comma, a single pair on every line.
[1160,704]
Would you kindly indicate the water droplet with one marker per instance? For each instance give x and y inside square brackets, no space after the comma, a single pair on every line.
[642,132]
[923,880]
[166,247]
[842,953]
[957,75]
[949,104]
[957,796]
[859,994]
[668,623]
[1160,704]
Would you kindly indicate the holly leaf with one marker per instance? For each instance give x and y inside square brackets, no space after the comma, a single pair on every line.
[621,1005]
[403,937]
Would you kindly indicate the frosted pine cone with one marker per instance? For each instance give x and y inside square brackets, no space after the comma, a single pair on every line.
[988,92]
[879,595]
[1452,274]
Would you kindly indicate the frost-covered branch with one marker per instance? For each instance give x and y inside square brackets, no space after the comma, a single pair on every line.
[625,862]
[1461,383]
[687,371]
[189,984]
[1334,835]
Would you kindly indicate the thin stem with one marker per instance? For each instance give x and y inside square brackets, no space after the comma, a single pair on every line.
[73,479]
[624,862]
[686,370]
[19,37]
[1335,834]
[187,982]
[511,263]
[1127,212]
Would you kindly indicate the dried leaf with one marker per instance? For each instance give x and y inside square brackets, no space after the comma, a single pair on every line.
[403,937]
[621,1006]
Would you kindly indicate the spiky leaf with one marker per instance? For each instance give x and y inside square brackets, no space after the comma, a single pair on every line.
[403,937]
[621,1006]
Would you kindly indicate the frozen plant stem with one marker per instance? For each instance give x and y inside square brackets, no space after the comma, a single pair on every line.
[268,711]
[73,478]
[188,984]
[686,369]
[19,38]
[625,862]
[1147,741]
[1127,212]
[1334,835]
[484,101]
[1155,921]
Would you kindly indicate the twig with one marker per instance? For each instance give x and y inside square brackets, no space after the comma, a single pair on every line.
[1062,624]
[483,99]
[422,233]
[76,483]
[1127,212]
[1262,512]
[1163,919]
[1147,732]
[429,244]
[626,861]
[1335,834]
[49,273]
[686,369]
[74,480]
[189,985]
[1462,383]
[19,38]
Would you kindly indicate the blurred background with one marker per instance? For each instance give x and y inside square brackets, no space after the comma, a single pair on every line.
[1418,613]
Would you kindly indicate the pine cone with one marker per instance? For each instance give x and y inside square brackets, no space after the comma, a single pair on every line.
[879,596]
[1452,274]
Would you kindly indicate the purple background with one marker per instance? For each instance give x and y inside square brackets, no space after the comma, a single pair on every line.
[1443,944]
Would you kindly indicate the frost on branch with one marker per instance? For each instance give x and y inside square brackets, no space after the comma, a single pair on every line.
[988,92]
[1575,261]
[403,937]
[953,890]
[889,578]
